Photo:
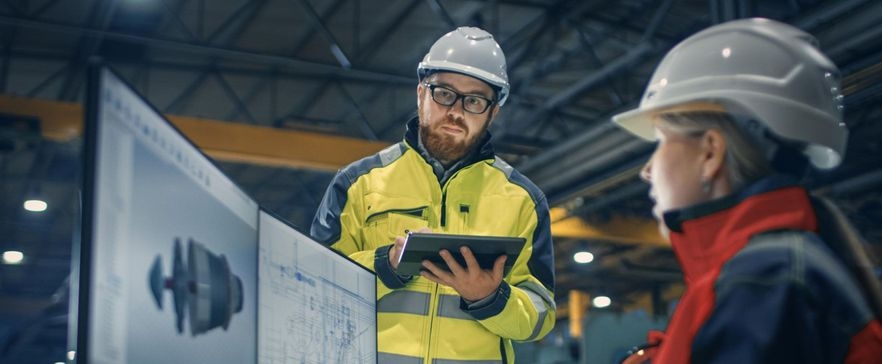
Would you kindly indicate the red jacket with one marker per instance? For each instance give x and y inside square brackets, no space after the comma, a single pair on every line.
[762,287]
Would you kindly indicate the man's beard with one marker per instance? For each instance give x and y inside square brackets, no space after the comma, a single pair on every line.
[445,147]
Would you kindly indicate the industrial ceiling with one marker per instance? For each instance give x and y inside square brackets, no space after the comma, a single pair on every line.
[283,92]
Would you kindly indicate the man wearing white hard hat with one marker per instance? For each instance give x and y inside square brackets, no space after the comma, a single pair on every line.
[444,177]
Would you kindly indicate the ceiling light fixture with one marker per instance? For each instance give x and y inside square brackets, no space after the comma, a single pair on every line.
[583,257]
[601,301]
[35,200]
[35,205]
[13,257]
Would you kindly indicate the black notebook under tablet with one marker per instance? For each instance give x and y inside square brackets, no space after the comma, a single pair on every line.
[425,246]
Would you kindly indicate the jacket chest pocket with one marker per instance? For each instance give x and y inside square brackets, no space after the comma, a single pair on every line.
[387,218]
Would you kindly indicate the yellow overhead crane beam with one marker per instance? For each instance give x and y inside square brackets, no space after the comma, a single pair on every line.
[233,142]
[237,142]
[619,229]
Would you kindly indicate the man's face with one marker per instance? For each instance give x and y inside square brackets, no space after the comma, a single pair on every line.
[450,132]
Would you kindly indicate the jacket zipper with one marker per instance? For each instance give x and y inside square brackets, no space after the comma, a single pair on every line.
[444,208]
[444,194]
[433,306]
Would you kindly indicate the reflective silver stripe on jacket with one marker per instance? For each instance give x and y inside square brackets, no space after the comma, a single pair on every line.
[389,358]
[539,297]
[448,306]
[503,166]
[539,290]
[391,153]
[416,303]
[451,361]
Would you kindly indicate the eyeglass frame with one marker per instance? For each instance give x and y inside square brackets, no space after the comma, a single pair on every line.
[458,97]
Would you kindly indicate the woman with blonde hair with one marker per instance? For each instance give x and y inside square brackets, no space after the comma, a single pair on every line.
[772,274]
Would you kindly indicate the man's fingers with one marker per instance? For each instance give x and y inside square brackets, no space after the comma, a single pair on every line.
[395,252]
[471,261]
[428,275]
[441,275]
[452,264]
[499,267]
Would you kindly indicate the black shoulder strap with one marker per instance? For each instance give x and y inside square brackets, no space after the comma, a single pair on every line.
[847,243]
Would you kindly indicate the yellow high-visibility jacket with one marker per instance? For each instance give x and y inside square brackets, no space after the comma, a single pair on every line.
[375,199]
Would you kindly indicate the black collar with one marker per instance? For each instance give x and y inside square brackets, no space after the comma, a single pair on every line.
[674,219]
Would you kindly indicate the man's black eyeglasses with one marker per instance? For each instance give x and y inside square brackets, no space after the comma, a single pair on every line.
[472,103]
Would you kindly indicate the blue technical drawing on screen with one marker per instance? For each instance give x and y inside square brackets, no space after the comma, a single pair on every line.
[315,306]
[173,250]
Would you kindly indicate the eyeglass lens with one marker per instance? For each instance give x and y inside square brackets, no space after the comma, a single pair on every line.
[447,97]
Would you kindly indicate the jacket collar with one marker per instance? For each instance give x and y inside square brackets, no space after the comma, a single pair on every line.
[706,235]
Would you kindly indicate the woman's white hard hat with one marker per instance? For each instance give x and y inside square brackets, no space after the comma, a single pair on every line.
[757,68]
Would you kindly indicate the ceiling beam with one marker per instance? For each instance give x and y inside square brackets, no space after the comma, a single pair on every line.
[223,53]
[626,230]
[237,142]
[319,24]
[233,142]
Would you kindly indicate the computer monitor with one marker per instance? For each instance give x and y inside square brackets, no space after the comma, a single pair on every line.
[168,258]
[316,306]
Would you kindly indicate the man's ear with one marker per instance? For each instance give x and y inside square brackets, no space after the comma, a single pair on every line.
[493,112]
[713,154]
[420,91]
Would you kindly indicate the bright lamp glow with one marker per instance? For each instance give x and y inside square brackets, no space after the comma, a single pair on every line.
[71,355]
[35,205]
[601,301]
[13,257]
[583,257]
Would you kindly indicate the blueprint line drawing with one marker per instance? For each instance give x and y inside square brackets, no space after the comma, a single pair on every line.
[315,306]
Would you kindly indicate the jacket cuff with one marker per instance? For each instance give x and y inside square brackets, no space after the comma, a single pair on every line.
[384,269]
[493,306]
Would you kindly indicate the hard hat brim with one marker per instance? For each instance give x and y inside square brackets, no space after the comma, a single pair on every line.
[825,143]
[498,84]
[638,121]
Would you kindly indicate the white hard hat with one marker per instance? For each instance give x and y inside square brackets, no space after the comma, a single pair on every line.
[756,68]
[470,51]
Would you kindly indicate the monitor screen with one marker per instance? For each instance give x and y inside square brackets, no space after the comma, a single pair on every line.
[316,306]
[168,270]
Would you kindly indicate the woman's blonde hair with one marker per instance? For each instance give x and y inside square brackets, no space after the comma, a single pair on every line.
[746,159]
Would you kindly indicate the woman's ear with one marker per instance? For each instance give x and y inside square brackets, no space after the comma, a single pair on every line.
[713,154]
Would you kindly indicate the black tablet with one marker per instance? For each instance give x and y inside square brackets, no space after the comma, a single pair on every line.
[425,246]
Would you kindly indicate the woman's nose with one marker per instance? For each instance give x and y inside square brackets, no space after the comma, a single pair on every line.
[644,172]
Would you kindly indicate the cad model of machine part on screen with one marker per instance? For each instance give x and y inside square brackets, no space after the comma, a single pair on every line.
[315,305]
[172,242]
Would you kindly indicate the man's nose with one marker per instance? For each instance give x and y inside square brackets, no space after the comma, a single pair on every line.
[458,107]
